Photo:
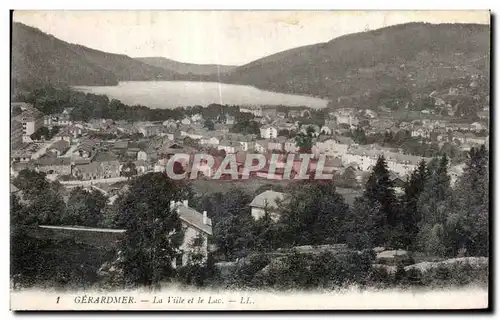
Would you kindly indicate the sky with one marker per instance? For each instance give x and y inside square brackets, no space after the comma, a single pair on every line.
[220,37]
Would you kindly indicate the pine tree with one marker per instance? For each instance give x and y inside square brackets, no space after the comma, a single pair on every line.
[379,190]
[434,204]
[469,228]
[410,215]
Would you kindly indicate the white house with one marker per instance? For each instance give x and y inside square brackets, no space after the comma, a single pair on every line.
[268,132]
[335,146]
[197,228]
[266,201]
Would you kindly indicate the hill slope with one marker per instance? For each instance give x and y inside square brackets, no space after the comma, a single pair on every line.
[39,58]
[185,68]
[414,55]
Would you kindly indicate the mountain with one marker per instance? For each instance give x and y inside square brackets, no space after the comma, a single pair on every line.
[39,58]
[413,56]
[186,68]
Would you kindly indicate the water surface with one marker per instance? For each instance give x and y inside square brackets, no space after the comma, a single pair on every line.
[172,94]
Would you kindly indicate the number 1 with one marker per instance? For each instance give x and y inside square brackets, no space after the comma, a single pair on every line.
[57,299]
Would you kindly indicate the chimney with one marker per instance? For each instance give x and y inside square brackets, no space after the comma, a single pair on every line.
[205,218]
[185,203]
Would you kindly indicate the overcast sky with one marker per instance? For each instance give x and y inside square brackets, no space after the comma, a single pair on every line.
[222,37]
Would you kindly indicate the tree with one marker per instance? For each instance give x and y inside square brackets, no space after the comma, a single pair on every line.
[469,226]
[379,190]
[129,170]
[349,179]
[304,141]
[209,124]
[154,231]
[31,182]
[232,224]
[434,204]
[42,132]
[410,215]
[85,208]
[312,213]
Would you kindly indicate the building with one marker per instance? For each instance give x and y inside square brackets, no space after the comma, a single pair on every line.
[148,154]
[256,111]
[229,146]
[59,147]
[366,158]
[53,165]
[210,141]
[269,112]
[97,170]
[268,132]
[277,144]
[332,146]
[16,134]
[290,146]
[151,130]
[31,120]
[267,201]
[87,149]
[197,228]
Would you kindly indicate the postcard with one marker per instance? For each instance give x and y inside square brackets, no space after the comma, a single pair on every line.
[250,160]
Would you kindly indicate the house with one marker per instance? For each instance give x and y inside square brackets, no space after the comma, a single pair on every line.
[196,118]
[458,136]
[332,146]
[277,144]
[53,165]
[142,166]
[255,110]
[87,149]
[476,126]
[472,138]
[151,130]
[229,146]
[281,115]
[266,202]
[269,112]
[294,113]
[59,147]
[261,145]
[230,120]
[97,170]
[148,154]
[210,141]
[31,120]
[328,128]
[290,146]
[197,228]
[268,132]
[371,114]
[366,158]
[421,132]
[186,121]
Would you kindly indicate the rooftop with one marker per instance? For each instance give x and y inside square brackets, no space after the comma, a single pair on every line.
[268,198]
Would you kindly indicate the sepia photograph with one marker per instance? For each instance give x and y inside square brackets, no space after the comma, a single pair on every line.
[250,160]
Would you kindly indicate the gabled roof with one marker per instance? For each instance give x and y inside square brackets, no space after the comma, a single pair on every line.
[268,197]
[193,218]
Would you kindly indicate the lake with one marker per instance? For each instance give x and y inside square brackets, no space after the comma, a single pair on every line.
[172,94]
